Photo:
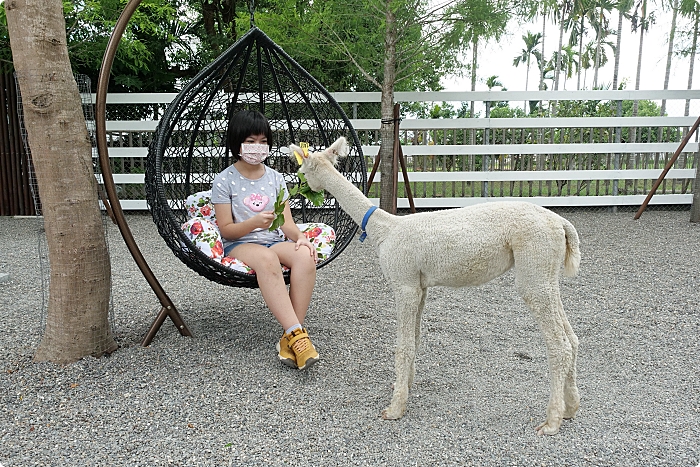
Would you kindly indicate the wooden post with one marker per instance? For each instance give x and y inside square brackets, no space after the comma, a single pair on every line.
[695,207]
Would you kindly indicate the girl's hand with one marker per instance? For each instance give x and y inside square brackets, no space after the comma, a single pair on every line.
[262,220]
[303,241]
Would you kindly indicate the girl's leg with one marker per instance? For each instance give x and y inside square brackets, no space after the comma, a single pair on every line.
[266,264]
[302,278]
[294,348]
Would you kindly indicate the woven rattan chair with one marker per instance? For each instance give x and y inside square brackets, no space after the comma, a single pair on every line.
[189,150]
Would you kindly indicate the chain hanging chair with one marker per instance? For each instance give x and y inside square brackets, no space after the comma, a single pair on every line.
[188,149]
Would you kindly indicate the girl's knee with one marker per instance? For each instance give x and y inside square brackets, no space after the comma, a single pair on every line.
[267,262]
[303,260]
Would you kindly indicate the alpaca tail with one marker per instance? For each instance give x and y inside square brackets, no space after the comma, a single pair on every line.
[572,260]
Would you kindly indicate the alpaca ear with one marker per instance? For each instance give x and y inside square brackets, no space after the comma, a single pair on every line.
[297,154]
[337,149]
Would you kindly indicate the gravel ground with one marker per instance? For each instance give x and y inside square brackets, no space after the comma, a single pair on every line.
[221,398]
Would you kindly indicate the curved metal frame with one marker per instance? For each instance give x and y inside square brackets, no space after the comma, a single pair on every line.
[167,307]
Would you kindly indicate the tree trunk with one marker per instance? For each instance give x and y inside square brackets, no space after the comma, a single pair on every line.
[693,51]
[387,187]
[219,19]
[616,70]
[557,65]
[77,323]
[599,38]
[671,37]
[635,106]
[618,112]
[580,56]
[475,51]
[544,27]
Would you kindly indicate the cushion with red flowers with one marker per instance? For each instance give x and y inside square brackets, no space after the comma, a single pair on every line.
[203,231]
[199,205]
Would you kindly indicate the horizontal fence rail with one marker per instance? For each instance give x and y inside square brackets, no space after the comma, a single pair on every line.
[551,161]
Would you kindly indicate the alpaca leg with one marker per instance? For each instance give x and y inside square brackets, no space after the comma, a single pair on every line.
[560,359]
[421,305]
[572,400]
[407,304]
[543,300]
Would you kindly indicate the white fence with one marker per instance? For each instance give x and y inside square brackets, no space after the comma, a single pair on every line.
[551,161]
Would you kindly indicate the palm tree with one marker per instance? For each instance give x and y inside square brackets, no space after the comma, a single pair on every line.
[586,61]
[530,50]
[568,62]
[531,42]
[600,25]
[582,10]
[563,12]
[691,9]
[492,81]
[674,5]
[641,20]
[623,7]
[547,8]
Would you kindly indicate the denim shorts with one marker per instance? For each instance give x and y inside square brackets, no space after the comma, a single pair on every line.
[233,245]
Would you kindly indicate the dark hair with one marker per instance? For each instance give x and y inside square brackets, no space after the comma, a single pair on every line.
[243,124]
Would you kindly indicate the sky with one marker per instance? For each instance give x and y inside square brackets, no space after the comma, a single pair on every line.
[497,59]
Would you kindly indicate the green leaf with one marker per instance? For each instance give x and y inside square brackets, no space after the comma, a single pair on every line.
[316,197]
[279,210]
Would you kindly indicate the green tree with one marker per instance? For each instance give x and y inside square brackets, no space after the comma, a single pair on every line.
[641,20]
[690,9]
[582,10]
[567,61]
[623,7]
[530,50]
[403,44]
[674,6]
[600,25]
[563,12]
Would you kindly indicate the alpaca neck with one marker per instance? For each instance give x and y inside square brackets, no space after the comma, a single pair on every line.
[355,203]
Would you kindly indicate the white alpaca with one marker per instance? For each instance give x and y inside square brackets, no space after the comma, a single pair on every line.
[466,247]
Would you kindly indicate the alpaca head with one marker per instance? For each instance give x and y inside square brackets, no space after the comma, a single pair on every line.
[311,163]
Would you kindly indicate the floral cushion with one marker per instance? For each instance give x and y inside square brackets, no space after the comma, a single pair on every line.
[203,231]
[199,206]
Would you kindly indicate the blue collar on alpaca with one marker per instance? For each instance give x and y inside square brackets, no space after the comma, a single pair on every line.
[369,212]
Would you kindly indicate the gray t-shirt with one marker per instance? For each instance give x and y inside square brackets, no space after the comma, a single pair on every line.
[249,197]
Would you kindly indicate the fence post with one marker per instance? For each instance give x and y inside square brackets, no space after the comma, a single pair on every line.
[695,207]
[16,198]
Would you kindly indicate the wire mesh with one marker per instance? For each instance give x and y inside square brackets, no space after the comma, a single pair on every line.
[84,88]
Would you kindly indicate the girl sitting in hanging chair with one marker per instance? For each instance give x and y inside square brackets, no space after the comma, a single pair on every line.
[244,197]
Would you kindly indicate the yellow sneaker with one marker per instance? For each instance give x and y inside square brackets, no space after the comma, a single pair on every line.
[302,347]
[285,354]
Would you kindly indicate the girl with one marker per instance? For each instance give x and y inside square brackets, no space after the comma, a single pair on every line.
[243,196]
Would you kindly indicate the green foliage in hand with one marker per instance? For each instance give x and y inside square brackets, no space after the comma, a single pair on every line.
[279,210]
[316,198]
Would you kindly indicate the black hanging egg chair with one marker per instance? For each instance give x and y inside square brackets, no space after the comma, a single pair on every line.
[189,150]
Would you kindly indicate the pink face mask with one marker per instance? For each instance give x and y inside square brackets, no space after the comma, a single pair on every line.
[254,154]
